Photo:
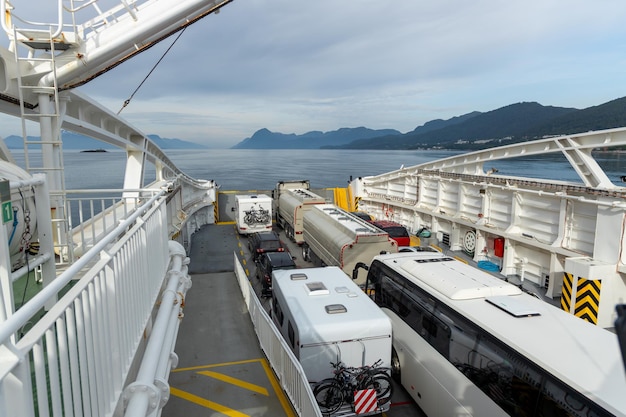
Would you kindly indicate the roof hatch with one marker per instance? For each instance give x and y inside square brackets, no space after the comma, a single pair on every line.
[317,288]
[513,306]
[298,276]
[335,309]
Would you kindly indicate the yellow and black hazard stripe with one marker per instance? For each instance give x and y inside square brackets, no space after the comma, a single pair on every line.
[587,299]
[566,292]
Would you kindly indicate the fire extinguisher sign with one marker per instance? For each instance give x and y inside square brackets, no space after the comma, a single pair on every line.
[5,199]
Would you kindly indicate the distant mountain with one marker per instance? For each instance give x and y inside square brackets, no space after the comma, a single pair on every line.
[609,115]
[510,124]
[265,139]
[73,141]
[166,143]
[472,131]
[406,140]
[440,124]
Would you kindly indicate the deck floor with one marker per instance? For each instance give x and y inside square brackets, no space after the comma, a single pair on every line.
[222,370]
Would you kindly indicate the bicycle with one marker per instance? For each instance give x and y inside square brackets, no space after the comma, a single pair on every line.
[332,393]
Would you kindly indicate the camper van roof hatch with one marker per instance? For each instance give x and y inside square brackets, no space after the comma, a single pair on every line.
[317,288]
[346,291]
[336,309]
[298,277]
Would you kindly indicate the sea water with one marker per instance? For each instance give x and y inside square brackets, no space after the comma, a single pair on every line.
[247,169]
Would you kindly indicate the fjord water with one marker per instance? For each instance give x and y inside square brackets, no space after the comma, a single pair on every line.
[253,169]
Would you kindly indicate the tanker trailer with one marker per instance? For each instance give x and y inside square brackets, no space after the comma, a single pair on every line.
[334,237]
[292,204]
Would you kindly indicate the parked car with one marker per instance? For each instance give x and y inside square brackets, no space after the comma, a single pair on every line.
[262,242]
[396,231]
[268,262]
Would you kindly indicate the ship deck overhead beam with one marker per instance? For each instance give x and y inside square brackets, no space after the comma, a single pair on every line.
[85,51]
[576,148]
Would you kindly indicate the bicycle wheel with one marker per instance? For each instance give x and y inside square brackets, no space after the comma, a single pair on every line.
[328,395]
[381,382]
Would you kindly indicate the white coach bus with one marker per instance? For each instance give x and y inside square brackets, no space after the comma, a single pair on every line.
[466,343]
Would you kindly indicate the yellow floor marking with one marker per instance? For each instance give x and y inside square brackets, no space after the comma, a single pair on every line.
[284,402]
[277,389]
[216,365]
[235,381]
[460,259]
[206,403]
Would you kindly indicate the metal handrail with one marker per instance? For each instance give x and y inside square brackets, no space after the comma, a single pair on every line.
[9,31]
[21,316]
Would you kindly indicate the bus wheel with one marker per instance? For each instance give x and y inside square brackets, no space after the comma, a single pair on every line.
[395,366]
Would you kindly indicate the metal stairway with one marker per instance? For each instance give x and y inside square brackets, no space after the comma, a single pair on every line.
[47,115]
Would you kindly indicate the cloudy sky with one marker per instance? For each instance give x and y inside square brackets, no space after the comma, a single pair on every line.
[295,66]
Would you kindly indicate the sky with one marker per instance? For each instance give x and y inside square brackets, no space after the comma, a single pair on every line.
[296,66]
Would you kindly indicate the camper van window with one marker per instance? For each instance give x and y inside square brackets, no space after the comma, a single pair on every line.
[291,334]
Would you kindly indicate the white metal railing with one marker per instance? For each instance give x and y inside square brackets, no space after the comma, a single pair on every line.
[90,217]
[281,358]
[76,359]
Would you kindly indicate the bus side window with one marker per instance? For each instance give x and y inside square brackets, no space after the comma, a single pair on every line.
[438,334]
[389,295]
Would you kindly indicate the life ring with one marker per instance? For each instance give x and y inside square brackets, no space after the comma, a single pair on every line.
[389,211]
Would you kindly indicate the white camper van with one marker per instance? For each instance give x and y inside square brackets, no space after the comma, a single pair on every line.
[325,317]
[254,213]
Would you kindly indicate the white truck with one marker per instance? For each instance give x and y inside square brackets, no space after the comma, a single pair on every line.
[334,237]
[253,213]
[292,204]
[325,317]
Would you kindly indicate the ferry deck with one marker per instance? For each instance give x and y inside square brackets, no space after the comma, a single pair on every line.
[221,368]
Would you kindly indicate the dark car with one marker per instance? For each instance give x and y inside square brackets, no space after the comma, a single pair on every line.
[269,262]
[396,231]
[262,242]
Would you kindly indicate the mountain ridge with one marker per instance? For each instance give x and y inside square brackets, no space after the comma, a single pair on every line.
[265,139]
[513,123]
